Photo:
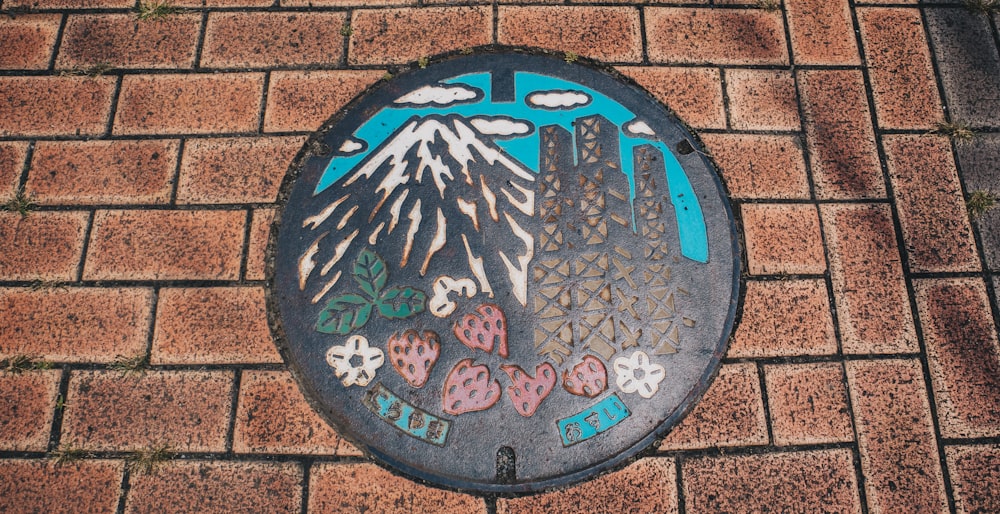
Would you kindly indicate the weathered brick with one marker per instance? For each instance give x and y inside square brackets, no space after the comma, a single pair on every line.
[975,477]
[274,417]
[207,486]
[815,481]
[968,64]
[822,32]
[784,318]
[300,101]
[66,325]
[808,404]
[369,488]
[212,325]
[395,36]
[351,3]
[235,170]
[760,166]
[646,486]
[978,159]
[899,456]
[839,135]
[988,226]
[762,100]
[186,411]
[68,4]
[729,36]
[261,39]
[26,408]
[260,234]
[41,245]
[54,106]
[899,66]
[189,104]
[873,306]
[963,355]
[29,485]
[163,245]
[605,33]
[102,172]
[12,155]
[694,94]
[783,238]
[26,41]
[122,41]
[934,221]
[731,413]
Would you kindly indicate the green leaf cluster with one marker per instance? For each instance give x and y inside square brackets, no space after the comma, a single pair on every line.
[349,312]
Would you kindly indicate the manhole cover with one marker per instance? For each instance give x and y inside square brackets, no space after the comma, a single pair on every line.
[509,272]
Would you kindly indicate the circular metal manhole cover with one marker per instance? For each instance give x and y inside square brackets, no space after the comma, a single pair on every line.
[509,272]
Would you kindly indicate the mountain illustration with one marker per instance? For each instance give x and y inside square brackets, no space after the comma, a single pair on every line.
[438,199]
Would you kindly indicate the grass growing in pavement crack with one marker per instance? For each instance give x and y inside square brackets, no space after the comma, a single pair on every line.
[955,130]
[147,459]
[155,10]
[21,203]
[571,57]
[66,454]
[129,365]
[346,30]
[979,202]
[769,5]
[20,363]
[983,6]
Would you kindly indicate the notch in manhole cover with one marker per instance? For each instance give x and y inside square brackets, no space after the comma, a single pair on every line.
[510,273]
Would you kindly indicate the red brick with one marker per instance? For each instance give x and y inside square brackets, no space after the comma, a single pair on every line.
[760,166]
[122,41]
[12,155]
[235,170]
[783,238]
[239,39]
[815,481]
[694,94]
[353,3]
[274,417]
[212,325]
[102,172]
[730,36]
[300,101]
[762,100]
[784,318]
[26,41]
[646,486]
[54,106]
[808,404]
[395,36]
[369,488]
[839,135]
[260,234]
[186,411]
[900,70]
[731,413]
[963,355]
[74,324]
[899,456]
[207,486]
[975,477]
[69,4]
[822,32]
[605,33]
[189,104]
[934,221]
[89,486]
[41,245]
[873,306]
[164,245]
[26,408]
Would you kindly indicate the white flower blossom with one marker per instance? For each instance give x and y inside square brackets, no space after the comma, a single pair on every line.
[339,357]
[636,374]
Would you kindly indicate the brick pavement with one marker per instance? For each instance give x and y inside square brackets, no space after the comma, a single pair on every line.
[864,372]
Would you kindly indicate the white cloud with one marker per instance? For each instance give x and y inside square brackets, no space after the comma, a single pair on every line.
[439,95]
[558,99]
[639,128]
[351,146]
[501,126]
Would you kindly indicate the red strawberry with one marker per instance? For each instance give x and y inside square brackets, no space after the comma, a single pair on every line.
[529,391]
[413,355]
[484,329]
[469,388]
[588,378]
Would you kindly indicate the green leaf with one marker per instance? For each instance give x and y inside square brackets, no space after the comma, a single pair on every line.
[344,314]
[370,273]
[401,302]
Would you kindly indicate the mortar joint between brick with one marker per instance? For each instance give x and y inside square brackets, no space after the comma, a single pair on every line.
[115,94]
[57,44]
[247,231]
[759,368]
[234,405]
[200,42]
[55,433]
[726,103]
[679,484]
[175,181]
[85,247]
[123,490]
[643,40]
[306,477]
